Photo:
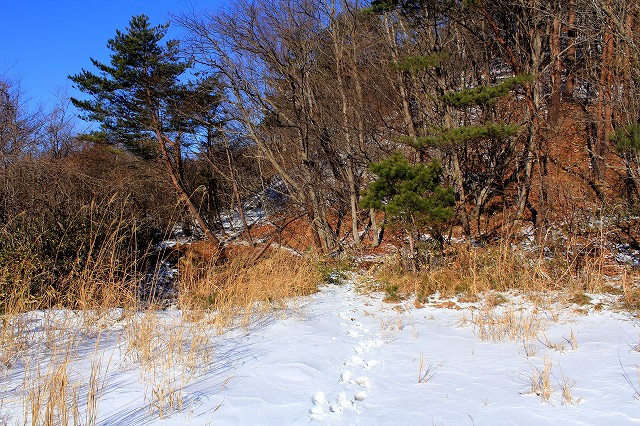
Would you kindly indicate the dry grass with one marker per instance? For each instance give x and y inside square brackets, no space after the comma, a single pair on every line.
[241,288]
[556,346]
[541,380]
[483,273]
[500,325]
[170,349]
[426,370]
[49,395]
[630,291]
[55,393]
[572,340]
[566,386]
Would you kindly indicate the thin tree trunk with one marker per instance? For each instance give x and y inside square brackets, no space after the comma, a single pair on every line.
[353,202]
[570,58]
[556,67]
[412,252]
[603,106]
[375,232]
[525,186]
[236,193]
[404,95]
[209,235]
[533,101]
[456,172]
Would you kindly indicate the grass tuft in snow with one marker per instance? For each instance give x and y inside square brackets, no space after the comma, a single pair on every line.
[427,369]
[169,352]
[566,386]
[498,325]
[541,380]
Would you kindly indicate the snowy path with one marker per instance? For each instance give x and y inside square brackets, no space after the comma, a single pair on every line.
[352,359]
[344,358]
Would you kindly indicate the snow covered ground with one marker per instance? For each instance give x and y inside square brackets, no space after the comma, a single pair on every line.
[341,357]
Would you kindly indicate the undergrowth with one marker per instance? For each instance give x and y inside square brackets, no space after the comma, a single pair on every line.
[469,272]
[53,300]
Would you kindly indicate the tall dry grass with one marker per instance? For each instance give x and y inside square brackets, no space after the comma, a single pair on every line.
[242,288]
[55,392]
[90,266]
[469,271]
[169,348]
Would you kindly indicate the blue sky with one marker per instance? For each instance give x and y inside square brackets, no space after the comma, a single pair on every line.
[44,41]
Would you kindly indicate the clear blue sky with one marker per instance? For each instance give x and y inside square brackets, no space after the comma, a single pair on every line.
[44,41]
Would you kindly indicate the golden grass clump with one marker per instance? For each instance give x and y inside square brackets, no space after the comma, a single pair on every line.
[509,325]
[541,380]
[240,285]
[170,352]
[55,392]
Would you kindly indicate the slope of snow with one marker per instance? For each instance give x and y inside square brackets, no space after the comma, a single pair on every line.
[341,357]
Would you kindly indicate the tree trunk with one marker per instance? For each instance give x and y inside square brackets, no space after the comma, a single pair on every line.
[412,251]
[570,59]
[375,232]
[209,235]
[404,93]
[603,106]
[353,202]
[556,68]
[456,173]
[236,193]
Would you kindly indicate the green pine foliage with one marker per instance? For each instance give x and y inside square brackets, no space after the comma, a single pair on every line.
[442,137]
[627,138]
[482,95]
[140,93]
[409,192]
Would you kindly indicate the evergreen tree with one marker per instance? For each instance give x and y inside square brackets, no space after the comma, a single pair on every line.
[411,195]
[627,143]
[481,152]
[140,101]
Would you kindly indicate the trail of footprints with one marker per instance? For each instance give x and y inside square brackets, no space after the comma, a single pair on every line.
[353,379]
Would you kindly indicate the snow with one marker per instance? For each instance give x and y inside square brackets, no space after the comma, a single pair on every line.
[343,356]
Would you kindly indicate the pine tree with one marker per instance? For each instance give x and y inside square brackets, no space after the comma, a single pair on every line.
[479,153]
[141,103]
[627,142]
[410,195]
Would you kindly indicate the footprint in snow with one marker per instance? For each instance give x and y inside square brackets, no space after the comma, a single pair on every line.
[361,348]
[343,401]
[364,381]
[370,364]
[355,361]
[319,398]
[318,412]
[360,396]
